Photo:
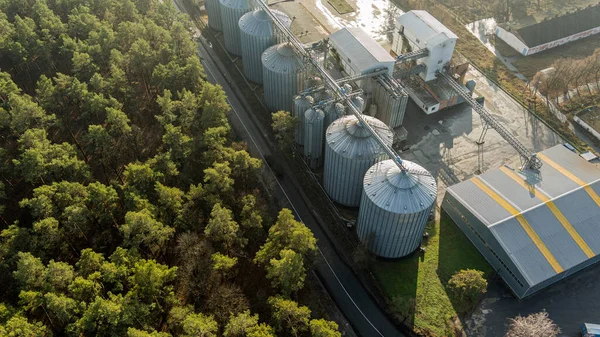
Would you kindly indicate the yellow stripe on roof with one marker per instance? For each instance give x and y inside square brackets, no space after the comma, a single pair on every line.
[571,176]
[557,213]
[522,221]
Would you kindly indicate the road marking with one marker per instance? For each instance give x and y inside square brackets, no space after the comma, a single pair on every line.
[557,213]
[524,223]
[571,176]
[295,211]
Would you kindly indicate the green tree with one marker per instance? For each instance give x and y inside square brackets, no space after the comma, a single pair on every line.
[467,286]
[289,316]
[286,233]
[132,332]
[199,325]
[19,326]
[142,231]
[287,272]
[284,127]
[218,184]
[323,328]
[222,229]
[224,264]
[240,324]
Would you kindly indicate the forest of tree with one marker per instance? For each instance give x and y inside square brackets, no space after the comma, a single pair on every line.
[127,208]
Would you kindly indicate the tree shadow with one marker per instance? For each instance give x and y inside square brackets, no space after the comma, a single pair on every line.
[456,253]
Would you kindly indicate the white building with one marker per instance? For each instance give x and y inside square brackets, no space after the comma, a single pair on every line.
[359,53]
[423,31]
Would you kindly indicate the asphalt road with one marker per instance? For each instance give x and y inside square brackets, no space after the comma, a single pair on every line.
[366,317]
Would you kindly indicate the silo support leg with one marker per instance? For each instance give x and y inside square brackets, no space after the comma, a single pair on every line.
[480,143]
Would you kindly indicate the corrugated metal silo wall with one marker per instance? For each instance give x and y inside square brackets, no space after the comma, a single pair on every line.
[343,176]
[301,104]
[390,108]
[213,11]
[333,111]
[230,16]
[313,137]
[280,88]
[253,43]
[388,234]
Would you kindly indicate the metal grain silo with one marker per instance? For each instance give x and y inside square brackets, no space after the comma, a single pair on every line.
[333,111]
[231,12]
[213,11]
[282,76]
[256,35]
[359,102]
[301,104]
[313,137]
[349,152]
[391,102]
[394,208]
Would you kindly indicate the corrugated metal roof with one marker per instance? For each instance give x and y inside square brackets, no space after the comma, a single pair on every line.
[424,25]
[351,140]
[359,47]
[546,221]
[399,192]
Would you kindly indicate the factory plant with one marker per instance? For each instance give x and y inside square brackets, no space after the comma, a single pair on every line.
[535,227]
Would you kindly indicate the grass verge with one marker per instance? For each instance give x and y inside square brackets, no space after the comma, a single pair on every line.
[341,6]
[416,285]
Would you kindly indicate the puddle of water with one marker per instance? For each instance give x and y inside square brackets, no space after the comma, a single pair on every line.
[376,17]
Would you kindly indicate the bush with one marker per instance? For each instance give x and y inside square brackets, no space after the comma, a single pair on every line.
[466,286]
[538,324]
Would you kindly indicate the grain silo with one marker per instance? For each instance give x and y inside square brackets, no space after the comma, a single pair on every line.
[301,104]
[391,102]
[256,35]
[333,111]
[231,12]
[313,136]
[213,11]
[359,102]
[349,152]
[282,76]
[394,208]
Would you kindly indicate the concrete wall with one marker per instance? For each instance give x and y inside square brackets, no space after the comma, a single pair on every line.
[587,127]
[564,40]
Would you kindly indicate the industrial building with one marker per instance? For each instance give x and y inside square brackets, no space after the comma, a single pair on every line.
[359,53]
[530,38]
[424,32]
[535,227]
[422,39]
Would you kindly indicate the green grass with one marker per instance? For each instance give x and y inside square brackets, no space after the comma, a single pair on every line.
[341,6]
[416,285]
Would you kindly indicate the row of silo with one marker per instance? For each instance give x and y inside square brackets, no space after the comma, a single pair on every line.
[251,34]
[256,35]
[301,104]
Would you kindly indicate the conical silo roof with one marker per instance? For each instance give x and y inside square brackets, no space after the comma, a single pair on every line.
[282,59]
[348,138]
[258,23]
[399,192]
